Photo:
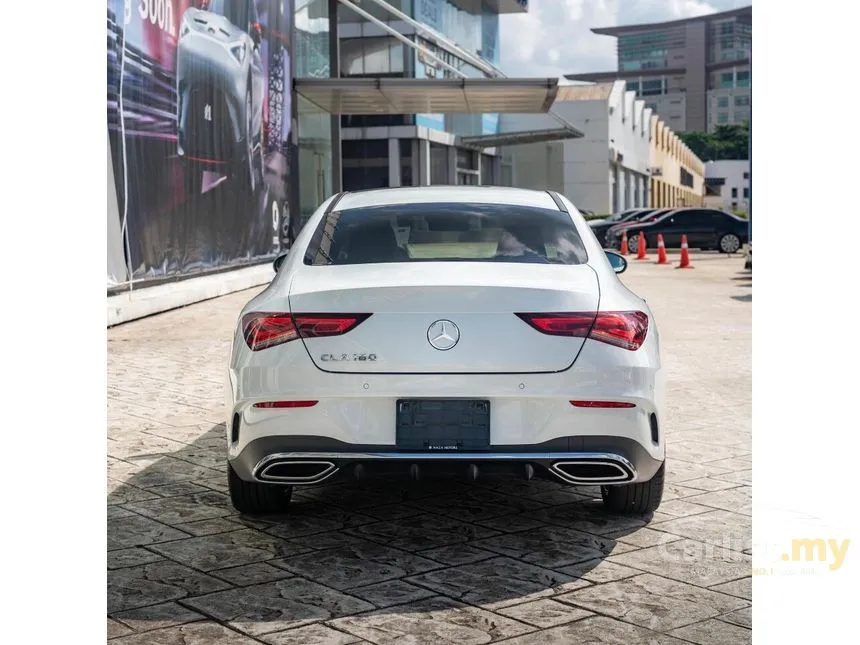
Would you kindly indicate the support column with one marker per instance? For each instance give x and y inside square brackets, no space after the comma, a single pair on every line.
[394,163]
[416,163]
[423,177]
[452,165]
[334,72]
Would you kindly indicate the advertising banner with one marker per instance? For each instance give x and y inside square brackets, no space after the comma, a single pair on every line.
[199,121]
[116,269]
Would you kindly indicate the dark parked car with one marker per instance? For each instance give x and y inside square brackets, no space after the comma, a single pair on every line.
[647,215]
[705,228]
[600,227]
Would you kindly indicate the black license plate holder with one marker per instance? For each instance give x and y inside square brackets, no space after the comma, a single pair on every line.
[443,425]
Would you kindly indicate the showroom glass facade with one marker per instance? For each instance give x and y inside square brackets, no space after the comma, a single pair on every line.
[366,52]
[313,181]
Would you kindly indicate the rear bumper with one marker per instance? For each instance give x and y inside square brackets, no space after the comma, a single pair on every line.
[586,460]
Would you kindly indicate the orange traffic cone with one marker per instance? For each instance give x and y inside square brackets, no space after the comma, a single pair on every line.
[685,255]
[625,250]
[640,254]
[661,250]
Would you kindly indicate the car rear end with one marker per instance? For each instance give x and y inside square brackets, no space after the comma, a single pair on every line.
[445,358]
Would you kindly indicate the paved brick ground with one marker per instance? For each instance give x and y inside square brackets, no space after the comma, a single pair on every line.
[519,562]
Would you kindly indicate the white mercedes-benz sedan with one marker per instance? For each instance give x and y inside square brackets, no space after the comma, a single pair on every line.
[454,330]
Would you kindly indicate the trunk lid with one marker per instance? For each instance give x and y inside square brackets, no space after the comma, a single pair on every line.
[478,300]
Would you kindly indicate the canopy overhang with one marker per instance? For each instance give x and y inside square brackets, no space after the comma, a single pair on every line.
[520,138]
[429,96]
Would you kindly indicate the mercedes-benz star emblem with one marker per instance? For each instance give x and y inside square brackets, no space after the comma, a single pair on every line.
[443,334]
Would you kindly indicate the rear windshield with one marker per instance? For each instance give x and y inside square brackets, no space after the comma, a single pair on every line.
[442,232]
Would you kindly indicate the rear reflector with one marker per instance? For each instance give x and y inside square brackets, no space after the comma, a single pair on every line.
[286,404]
[625,329]
[262,330]
[602,404]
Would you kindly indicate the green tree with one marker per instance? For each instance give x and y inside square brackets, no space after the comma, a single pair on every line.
[726,142]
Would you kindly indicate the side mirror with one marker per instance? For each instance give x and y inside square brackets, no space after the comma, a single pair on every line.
[280,260]
[618,261]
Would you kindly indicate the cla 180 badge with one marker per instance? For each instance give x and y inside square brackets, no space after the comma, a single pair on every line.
[327,358]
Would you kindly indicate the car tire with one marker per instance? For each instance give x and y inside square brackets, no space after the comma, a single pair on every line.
[729,243]
[254,498]
[635,499]
[633,243]
[245,171]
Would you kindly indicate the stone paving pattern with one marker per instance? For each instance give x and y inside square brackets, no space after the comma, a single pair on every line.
[498,560]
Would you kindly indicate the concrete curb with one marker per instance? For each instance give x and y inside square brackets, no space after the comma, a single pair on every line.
[146,301]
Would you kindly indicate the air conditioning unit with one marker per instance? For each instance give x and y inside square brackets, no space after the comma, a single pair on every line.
[656,171]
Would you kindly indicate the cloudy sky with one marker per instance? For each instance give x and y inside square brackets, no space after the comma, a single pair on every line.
[554,37]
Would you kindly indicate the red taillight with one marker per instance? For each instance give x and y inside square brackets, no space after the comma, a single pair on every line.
[625,329]
[285,404]
[262,330]
[318,325]
[602,404]
[266,330]
[574,325]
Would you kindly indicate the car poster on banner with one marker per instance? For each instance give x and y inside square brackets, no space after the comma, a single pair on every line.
[199,118]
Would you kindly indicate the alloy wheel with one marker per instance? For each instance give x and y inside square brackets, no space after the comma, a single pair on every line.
[730,243]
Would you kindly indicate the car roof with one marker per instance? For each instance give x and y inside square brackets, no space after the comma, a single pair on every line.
[446,194]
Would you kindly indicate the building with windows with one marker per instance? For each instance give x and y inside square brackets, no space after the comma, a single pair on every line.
[390,150]
[694,73]
[677,175]
[627,157]
[727,184]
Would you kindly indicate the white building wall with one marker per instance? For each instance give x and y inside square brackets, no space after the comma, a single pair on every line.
[628,137]
[585,170]
[732,171]
[588,173]
[579,167]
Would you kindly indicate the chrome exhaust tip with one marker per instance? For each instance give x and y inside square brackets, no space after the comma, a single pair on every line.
[296,472]
[593,471]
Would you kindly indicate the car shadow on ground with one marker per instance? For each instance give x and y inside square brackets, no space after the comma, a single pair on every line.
[743,280]
[179,553]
